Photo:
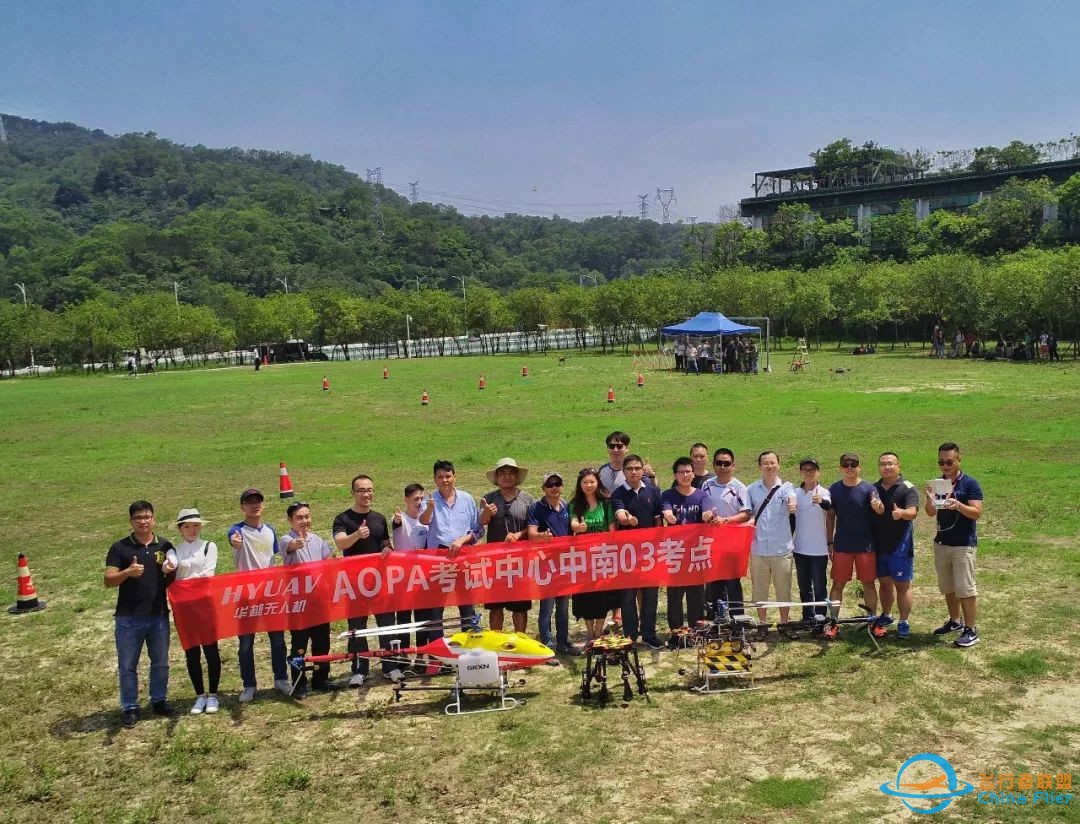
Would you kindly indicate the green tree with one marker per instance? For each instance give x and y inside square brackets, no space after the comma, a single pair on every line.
[1011,217]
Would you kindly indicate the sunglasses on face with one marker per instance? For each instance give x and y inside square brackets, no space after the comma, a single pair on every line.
[553,485]
[946,462]
[723,463]
[848,464]
[616,446]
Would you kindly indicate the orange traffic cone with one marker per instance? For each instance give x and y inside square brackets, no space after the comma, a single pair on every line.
[325,384]
[424,399]
[385,373]
[285,489]
[483,383]
[611,394]
[640,381]
[26,600]
[524,371]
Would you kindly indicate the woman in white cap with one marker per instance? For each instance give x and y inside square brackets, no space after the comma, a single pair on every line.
[505,513]
[196,558]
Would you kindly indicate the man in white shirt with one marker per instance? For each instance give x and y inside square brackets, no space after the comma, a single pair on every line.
[302,546]
[811,555]
[772,502]
[254,546]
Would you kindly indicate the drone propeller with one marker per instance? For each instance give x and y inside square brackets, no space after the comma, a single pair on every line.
[469,624]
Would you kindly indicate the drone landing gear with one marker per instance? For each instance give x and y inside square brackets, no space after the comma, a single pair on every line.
[615,650]
[457,693]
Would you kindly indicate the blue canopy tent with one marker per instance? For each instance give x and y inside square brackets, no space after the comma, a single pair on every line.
[710,324]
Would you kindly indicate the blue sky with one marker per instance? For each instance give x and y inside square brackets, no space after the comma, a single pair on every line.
[567,107]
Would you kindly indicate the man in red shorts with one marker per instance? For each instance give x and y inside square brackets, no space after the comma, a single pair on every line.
[850,540]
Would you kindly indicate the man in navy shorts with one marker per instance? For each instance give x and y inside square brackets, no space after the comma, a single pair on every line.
[895,508]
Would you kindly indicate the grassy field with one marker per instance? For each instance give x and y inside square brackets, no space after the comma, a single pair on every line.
[830,725]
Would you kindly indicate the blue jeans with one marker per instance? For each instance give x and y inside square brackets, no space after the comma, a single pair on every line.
[561,607]
[277,658]
[131,633]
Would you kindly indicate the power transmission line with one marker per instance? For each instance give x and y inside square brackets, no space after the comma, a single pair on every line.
[3,132]
[375,176]
[413,196]
[665,197]
[644,205]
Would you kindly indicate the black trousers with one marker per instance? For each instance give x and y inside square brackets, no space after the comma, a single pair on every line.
[730,591]
[695,599]
[810,574]
[213,667]
[318,637]
[383,619]
[645,624]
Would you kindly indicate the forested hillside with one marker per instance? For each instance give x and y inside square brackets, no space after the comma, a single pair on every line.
[83,214]
[135,242]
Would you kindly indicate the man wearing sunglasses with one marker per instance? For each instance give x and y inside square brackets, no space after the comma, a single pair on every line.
[729,503]
[954,545]
[849,536]
[549,518]
[611,473]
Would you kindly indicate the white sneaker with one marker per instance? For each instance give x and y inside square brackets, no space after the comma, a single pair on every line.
[200,705]
[248,695]
[211,704]
[283,685]
[357,680]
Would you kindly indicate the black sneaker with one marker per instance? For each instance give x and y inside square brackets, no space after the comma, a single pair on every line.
[654,643]
[164,708]
[131,717]
[968,638]
[949,626]
[568,649]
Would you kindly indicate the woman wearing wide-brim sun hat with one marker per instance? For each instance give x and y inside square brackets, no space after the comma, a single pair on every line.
[196,558]
[505,513]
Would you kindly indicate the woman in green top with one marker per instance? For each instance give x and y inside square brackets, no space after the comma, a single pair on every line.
[591,511]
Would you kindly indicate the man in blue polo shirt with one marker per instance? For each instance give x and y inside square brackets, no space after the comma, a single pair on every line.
[549,518]
[683,504]
[954,545]
[637,506]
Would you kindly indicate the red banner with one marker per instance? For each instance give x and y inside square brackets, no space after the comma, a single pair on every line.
[302,595]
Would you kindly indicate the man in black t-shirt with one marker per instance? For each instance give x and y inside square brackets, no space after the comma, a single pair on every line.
[360,530]
[895,508]
[137,565]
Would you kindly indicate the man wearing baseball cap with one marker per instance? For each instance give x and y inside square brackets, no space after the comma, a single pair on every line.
[850,541]
[254,546]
